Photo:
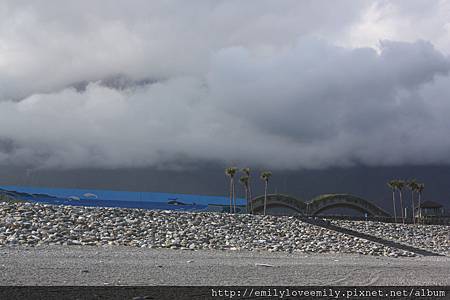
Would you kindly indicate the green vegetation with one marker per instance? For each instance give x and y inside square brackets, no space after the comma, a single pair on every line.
[287,201]
[325,197]
[319,202]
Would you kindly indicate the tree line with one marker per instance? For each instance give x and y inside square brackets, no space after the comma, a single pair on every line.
[245,180]
[398,185]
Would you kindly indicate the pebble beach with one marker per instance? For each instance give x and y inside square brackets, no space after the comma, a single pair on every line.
[33,224]
[435,238]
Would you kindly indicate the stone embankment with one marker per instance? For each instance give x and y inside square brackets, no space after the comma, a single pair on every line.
[435,238]
[39,224]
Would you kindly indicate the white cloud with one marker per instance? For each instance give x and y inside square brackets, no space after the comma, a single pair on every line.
[152,84]
[402,20]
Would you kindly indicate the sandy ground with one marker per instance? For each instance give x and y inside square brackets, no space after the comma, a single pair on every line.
[116,265]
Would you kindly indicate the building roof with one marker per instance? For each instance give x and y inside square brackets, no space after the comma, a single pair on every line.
[430,204]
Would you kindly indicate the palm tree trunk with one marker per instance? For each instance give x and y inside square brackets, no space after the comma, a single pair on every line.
[234,198]
[401,206]
[248,199]
[393,203]
[420,206]
[265,197]
[231,195]
[250,196]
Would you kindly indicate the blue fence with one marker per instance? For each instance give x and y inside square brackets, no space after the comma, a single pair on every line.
[109,198]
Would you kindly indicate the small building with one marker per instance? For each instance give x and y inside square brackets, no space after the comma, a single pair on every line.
[431,209]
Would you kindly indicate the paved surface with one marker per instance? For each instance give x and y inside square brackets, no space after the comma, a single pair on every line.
[116,265]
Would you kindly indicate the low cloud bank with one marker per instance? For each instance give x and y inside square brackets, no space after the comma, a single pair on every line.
[129,95]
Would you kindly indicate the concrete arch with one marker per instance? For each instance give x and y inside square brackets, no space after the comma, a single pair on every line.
[278,201]
[325,202]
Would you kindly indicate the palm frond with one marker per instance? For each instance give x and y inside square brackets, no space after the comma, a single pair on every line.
[412,184]
[420,187]
[231,171]
[246,171]
[266,175]
[392,184]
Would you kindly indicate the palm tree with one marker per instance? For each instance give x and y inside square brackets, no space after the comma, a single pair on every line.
[392,185]
[246,171]
[230,172]
[412,185]
[244,181]
[265,177]
[400,186]
[420,188]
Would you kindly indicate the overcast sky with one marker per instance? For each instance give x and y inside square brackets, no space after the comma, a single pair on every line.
[269,84]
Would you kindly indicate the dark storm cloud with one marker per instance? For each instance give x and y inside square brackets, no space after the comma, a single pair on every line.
[276,86]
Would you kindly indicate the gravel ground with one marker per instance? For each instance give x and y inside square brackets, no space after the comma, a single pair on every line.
[37,224]
[120,265]
[435,238]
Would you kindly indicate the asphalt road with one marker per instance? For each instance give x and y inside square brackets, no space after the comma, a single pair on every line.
[115,265]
